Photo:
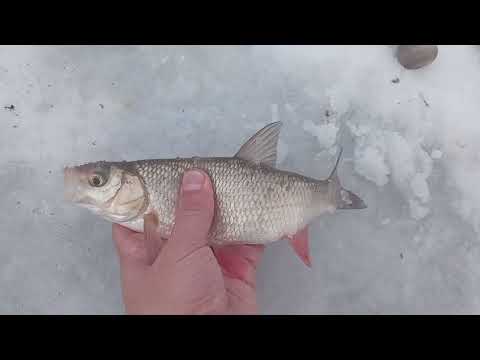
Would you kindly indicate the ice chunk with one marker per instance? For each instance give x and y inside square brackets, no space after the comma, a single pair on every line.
[386,221]
[417,211]
[436,154]
[420,187]
[371,164]
[326,134]
[401,158]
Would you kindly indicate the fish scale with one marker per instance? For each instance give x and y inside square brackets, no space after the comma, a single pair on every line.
[254,203]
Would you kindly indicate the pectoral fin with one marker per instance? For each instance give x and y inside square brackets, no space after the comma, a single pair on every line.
[299,243]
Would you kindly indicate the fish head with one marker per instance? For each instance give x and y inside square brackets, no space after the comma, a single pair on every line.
[110,190]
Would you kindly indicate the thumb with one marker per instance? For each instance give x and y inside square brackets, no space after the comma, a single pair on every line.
[194,215]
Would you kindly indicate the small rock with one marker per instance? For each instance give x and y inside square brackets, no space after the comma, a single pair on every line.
[416,56]
[396,80]
[10,107]
[327,113]
[101,106]
[94,143]
[18,202]
[15,126]
[401,256]
[49,171]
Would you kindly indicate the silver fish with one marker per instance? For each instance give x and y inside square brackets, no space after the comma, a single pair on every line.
[256,203]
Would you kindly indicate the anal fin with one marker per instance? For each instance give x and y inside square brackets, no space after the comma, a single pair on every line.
[299,243]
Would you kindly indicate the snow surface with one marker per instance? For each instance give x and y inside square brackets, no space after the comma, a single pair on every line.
[411,151]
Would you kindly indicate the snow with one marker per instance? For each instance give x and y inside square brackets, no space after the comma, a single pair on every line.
[326,134]
[411,151]
[386,221]
[436,154]
[370,163]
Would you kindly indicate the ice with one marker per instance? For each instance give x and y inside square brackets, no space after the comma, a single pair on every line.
[436,154]
[417,211]
[326,134]
[370,163]
[412,137]
[420,187]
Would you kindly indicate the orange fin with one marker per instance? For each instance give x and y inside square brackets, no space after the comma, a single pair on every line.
[299,243]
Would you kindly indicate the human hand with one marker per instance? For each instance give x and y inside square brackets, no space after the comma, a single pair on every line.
[183,275]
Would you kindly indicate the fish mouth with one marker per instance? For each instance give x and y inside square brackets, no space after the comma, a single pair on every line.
[71,184]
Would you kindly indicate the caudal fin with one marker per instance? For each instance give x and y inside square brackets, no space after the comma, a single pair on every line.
[344,199]
[347,200]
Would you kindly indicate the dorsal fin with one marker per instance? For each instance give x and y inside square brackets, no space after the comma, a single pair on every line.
[333,175]
[261,148]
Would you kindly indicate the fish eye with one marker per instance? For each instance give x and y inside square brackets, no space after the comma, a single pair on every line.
[97,180]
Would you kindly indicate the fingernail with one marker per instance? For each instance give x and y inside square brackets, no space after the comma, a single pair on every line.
[193,180]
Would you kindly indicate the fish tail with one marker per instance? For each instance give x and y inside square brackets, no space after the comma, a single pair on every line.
[343,198]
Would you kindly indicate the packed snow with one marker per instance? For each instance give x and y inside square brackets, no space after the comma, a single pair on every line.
[411,152]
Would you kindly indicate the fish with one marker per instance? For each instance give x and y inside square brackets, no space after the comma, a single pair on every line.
[255,201]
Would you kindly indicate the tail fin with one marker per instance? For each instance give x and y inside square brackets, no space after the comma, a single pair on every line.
[347,200]
[344,199]
[333,175]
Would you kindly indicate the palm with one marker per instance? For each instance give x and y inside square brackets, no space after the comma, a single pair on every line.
[236,294]
[183,275]
[238,264]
